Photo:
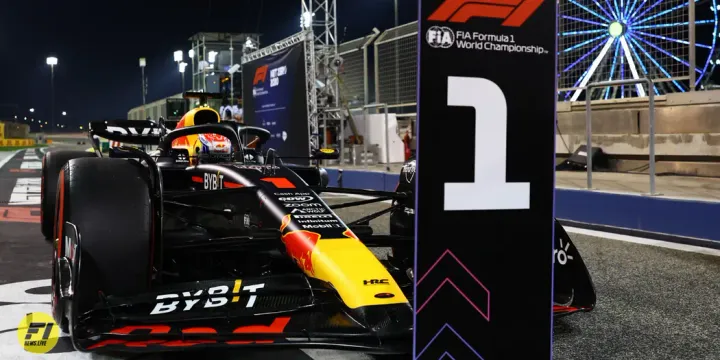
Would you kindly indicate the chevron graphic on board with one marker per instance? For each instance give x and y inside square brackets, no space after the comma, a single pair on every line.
[485,314]
[443,328]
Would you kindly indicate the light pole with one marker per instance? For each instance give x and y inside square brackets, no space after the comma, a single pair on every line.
[178,56]
[142,73]
[397,57]
[181,68]
[191,55]
[52,61]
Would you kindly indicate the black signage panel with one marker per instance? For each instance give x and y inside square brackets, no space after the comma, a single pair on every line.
[485,180]
[274,98]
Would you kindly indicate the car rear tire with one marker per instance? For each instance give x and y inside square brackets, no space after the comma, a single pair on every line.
[52,163]
[109,203]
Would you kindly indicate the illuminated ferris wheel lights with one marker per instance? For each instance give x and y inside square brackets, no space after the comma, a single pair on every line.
[593,67]
[590,29]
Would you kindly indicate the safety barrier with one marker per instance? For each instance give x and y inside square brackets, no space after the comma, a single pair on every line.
[14,135]
[686,221]
[17,142]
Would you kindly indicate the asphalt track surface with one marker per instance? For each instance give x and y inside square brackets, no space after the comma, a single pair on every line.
[653,302]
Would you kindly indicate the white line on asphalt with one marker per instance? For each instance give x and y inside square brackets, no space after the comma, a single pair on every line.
[605,235]
[644,241]
[4,161]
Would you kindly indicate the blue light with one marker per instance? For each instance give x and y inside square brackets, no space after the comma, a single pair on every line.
[646,10]
[657,26]
[612,68]
[571,33]
[632,38]
[585,21]
[642,64]
[603,9]
[640,19]
[663,13]
[590,11]
[583,57]
[585,43]
[671,39]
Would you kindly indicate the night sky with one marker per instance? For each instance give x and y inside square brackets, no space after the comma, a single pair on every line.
[98,44]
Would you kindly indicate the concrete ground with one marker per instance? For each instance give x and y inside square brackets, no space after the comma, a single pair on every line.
[653,302]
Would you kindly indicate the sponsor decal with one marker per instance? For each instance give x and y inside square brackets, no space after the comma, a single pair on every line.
[261,168]
[322,226]
[376,282]
[295,199]
[133,131]
[280,183]
[561,255]
[276,327]
[302,205]
[212,181]
[292,194]
[216,296]
[409,171]
[308,210]
[514,13]
[299,245]
[38,333]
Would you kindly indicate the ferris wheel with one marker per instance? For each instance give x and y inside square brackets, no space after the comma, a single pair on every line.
[604,40]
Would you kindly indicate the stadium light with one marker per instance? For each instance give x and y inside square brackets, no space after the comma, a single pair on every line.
[181,66]
[191,53]
[51,60]
[178,55]
[32,110]
[143,62]
[64,113]
[306,20]
[211,56]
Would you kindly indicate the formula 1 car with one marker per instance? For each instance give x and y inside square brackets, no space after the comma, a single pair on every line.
[573,290]
[169,250]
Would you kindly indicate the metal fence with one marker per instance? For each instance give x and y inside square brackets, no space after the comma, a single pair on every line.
[354,73]
[396,66]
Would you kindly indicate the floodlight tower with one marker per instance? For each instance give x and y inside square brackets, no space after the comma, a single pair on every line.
[319,19]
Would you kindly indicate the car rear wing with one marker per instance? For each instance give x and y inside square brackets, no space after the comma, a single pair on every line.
[139,132]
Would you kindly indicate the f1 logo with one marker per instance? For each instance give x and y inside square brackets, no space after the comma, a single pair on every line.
[514,12]
[260,74]
[34,328]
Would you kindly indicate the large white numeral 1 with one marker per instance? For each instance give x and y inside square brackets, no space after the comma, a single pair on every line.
[489,190]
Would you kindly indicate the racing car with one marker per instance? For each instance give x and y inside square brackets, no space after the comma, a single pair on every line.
[173,249]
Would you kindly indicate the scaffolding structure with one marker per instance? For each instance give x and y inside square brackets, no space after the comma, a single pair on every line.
[213,53]
[319,20]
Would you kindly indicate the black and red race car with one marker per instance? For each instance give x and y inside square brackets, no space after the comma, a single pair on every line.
[168,250]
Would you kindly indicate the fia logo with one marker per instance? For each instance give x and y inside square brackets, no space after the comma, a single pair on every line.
[440,37]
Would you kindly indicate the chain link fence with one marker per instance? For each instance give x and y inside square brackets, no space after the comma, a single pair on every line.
[354,75]
[396,66]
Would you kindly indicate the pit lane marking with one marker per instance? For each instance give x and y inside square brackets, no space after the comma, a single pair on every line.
[5,160]
[26,192]
[644,241]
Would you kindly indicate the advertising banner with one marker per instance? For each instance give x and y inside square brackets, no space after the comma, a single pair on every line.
[274,98]
[484,275]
